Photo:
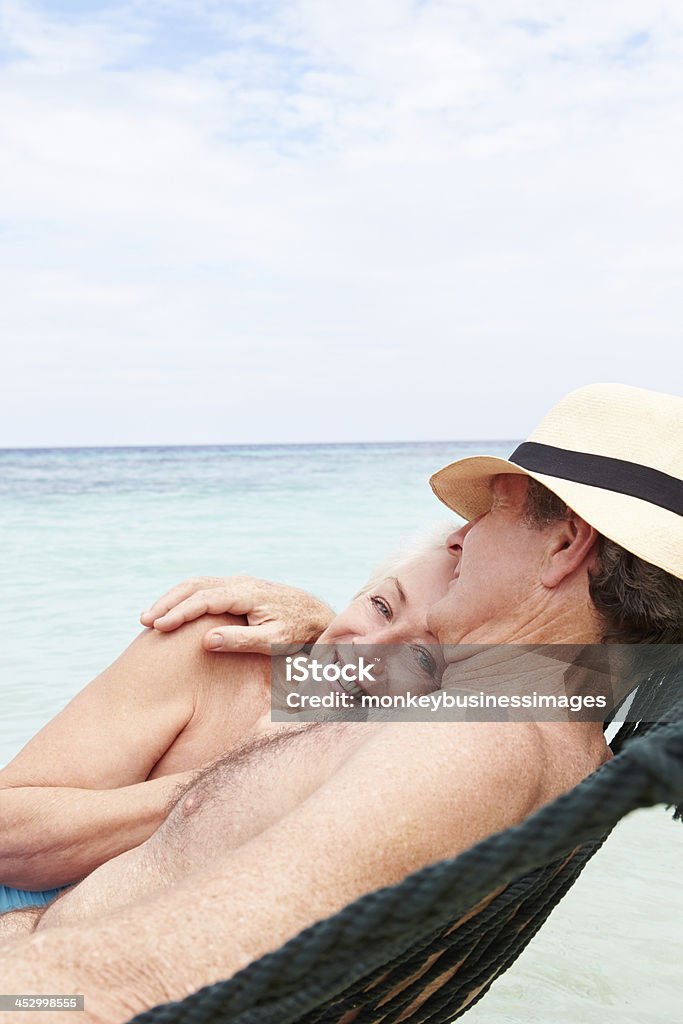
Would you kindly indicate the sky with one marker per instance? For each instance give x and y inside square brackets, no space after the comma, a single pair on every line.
[305,220]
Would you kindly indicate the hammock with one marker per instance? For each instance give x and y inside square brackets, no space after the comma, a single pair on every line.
[424,951]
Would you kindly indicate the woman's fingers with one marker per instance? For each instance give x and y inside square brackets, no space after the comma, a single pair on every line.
[175,595]
[247,639]
[236,598]
[276,614]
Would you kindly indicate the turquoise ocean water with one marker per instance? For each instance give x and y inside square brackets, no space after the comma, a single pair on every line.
[89,537]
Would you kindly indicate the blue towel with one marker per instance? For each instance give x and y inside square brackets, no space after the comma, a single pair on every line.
[15,899]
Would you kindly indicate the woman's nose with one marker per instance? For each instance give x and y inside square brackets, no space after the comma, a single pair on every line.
[370,637]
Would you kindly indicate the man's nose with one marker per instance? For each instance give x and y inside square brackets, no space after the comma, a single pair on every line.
[454,541]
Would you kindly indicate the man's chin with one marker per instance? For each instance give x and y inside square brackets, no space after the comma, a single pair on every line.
[442,622]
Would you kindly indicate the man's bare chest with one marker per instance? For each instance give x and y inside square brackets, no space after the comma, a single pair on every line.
[252,788]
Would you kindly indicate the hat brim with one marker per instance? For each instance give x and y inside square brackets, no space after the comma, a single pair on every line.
[465,485]
[652,533]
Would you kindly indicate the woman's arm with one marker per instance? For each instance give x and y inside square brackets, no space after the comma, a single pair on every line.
[76,794]
[58,835]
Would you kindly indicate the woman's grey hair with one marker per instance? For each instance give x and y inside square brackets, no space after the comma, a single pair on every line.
[409,550]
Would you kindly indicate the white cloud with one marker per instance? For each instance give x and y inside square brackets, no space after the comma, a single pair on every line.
[312,220]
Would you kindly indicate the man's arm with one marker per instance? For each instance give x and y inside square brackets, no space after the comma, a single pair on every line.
[412,794]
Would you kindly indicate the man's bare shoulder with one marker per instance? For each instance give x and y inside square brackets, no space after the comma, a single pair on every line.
[456,781]
[490,745]
[512,767]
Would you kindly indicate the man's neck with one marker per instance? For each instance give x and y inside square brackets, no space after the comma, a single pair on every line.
[471,666]
[547,618]
[574,671]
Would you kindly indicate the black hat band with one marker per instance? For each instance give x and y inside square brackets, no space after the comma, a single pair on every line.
[602,471]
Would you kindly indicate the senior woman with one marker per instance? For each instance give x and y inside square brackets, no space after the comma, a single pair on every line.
[102,775]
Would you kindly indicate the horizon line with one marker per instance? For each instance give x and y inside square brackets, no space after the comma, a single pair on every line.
[251,444]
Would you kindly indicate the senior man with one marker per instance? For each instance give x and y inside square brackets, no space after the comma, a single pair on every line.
[578,540]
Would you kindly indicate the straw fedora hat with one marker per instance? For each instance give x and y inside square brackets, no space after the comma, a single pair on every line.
[612,453]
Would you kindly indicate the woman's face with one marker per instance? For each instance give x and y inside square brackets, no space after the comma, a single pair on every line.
[394,611]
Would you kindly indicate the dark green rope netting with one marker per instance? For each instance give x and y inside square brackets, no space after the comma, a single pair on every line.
[424,950]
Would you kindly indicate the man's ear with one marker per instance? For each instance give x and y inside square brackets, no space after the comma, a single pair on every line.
[572,545]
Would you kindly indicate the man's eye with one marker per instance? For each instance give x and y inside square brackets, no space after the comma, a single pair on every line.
[382,607]
[425,660]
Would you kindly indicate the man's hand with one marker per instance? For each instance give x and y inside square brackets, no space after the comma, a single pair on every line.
[275,613]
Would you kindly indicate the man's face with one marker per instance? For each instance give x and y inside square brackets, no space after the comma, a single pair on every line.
[495,586]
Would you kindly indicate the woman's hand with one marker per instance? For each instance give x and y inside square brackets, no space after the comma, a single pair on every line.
[275,613]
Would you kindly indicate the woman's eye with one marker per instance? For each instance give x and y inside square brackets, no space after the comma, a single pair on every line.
[382,607]
[425,660]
